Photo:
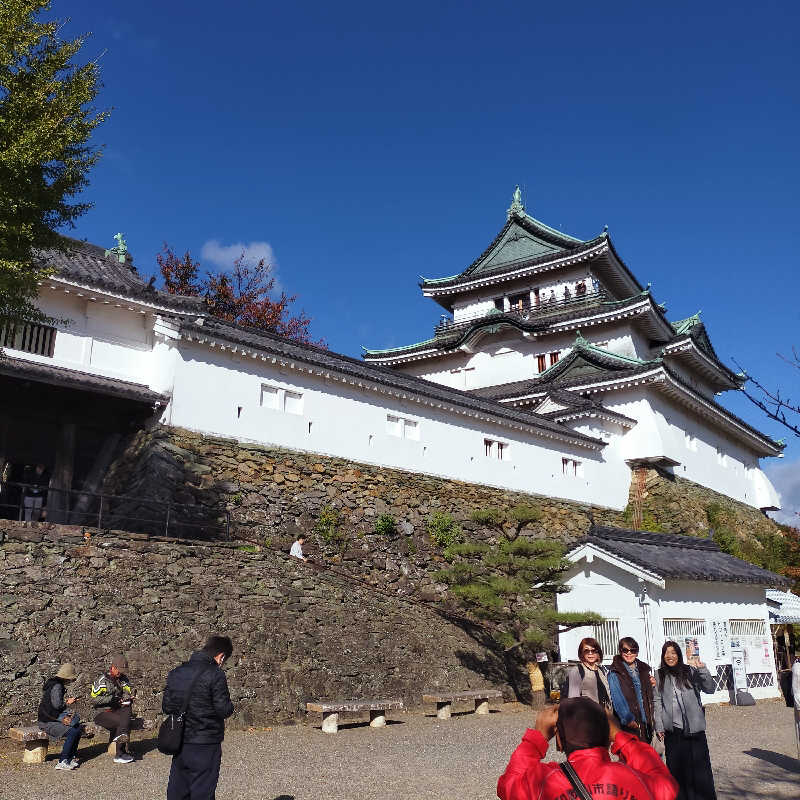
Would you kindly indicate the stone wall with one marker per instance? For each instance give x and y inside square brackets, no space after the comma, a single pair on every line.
[68,593]
[275,493]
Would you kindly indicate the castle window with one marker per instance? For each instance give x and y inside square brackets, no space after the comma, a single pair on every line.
[570,468]
[498,303]
[402,428]
[517,302]
[29,338]
[493,449]
[541,362]
[554,358]
[691,442]
[279,399]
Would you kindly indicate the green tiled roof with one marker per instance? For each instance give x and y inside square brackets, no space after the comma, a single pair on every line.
[685,325]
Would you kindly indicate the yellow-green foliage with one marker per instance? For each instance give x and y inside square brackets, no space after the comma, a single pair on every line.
[443,529]
[46,124]
[328,526]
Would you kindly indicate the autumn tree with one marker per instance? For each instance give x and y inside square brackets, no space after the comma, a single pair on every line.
[46,122]
[244,294]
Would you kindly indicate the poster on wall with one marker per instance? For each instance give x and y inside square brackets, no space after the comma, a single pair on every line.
[719,633]
[756,654]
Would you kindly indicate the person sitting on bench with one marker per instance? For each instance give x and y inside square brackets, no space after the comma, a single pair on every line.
[56,719]
[113,691]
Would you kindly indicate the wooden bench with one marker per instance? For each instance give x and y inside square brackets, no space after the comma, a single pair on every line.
[36,741]
[377,711]
[444,700]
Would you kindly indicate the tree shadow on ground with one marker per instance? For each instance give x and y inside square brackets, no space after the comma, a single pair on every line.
[498,668]
[778,759]
[343,726]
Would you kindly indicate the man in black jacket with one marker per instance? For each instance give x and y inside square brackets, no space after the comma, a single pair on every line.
[195,770]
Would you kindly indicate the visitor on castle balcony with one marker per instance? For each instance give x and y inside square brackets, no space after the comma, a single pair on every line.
[584,731]
[631,685]
[113,692]
[296,549]
[588,678]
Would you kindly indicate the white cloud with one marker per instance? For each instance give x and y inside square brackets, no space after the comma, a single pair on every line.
[223,255]
[785,476]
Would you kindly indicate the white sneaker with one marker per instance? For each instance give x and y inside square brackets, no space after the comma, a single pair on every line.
[65,765]
[122,758]
[74,763]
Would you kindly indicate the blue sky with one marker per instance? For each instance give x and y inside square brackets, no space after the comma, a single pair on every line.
[360,145]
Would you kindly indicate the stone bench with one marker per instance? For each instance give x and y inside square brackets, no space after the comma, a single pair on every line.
[444,700]
[377,711]
[36,741]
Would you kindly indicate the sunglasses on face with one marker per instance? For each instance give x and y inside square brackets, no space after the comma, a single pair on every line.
[589,650]
[629,650]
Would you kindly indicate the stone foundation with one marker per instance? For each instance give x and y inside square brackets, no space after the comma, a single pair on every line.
[70,594]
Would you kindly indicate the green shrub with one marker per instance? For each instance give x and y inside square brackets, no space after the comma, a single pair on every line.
[328,526]
[385,525]
[443,529]
[490,517]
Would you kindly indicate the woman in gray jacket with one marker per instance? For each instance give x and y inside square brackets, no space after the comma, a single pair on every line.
[680,721]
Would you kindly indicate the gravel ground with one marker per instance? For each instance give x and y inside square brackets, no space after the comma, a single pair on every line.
[752,750]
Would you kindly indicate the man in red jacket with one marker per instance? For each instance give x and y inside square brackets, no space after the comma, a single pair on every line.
[584,733]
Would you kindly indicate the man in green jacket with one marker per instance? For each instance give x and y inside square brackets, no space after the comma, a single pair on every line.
[113,691]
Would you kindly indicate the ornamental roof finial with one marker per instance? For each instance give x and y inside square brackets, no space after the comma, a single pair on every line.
[516,206]
[120,250]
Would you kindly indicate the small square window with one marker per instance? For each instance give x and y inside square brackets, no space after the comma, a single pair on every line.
[554,358]
[541,363]
[501,451]
[411,430]
[488,447]
[269,396]
[393,426]
[292,402]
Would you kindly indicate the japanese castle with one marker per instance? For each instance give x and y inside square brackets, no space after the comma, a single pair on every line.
[554,372]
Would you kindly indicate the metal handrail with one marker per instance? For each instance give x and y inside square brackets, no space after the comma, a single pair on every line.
[105,511]
[543,308]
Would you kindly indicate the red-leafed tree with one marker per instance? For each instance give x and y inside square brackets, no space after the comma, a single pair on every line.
[243,295]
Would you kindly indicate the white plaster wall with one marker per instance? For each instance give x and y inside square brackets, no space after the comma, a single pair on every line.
[508,356]
[617,594]
[216,393]
[98,338]
[705,454]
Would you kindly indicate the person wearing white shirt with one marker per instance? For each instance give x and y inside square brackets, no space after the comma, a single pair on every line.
[297,547]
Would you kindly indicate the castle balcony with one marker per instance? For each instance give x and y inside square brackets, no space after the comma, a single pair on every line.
[540,310]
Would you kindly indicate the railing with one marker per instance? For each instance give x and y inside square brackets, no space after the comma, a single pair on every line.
[524,311]
[131,513]
[29,338]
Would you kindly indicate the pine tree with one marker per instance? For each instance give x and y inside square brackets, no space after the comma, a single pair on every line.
[512,584]
[46,122]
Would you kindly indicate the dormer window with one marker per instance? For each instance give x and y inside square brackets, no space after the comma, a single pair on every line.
[498,304]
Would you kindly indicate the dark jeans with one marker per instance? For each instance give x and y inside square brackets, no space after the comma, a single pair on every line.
[195,772]
[71,740]
[690,764]
[116,721]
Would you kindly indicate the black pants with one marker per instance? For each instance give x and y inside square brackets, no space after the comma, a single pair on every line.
[195,772]
[690,764]
[115,721]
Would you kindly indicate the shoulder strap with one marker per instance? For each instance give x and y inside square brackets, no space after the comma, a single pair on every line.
[191,688]
[577,784]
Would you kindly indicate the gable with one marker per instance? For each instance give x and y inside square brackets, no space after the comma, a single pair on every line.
[517,244]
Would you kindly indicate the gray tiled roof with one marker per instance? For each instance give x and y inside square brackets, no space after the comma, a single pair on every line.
[73,379]
[680,557]
[88,265]
[326,359]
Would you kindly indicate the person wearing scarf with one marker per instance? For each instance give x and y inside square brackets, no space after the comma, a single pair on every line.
[630,684]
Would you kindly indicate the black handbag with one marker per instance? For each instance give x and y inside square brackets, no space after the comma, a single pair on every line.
[170,734]
[577,784]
